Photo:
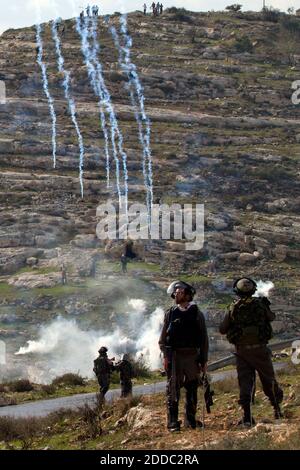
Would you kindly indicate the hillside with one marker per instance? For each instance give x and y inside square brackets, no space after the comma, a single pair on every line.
[224,132]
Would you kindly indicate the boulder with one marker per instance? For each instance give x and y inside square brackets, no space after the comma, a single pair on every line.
[32,280]
[218,222]
[139,417]
[85,241]
[247,258]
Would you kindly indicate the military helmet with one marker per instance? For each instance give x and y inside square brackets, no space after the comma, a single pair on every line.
[103,350]
[244,287]
[182,285]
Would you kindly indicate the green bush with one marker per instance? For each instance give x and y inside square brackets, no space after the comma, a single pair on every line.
[270,14]
[234,7]
[140,367]
[68,379]
[291,24]
[48,389]
[180,14]
[22,385]
[243,44]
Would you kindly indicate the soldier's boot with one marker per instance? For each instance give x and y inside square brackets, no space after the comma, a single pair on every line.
[278,397]
[247,419]
[277,412]
[173,423]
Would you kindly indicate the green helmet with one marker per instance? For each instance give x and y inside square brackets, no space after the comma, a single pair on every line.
[244,287]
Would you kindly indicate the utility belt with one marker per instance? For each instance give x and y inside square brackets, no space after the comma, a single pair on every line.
[250,346]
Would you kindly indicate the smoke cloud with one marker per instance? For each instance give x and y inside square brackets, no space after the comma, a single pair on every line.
[63,346]
[263,288]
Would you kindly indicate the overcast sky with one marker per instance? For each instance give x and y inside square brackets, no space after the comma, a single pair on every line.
[19,13]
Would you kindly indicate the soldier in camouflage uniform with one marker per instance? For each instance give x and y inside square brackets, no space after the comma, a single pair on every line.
[184,344]
[103,368]
[247,325]
[126,374]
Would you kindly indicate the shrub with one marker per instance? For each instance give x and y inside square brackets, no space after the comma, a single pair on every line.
[19,429]
[243,44]
[180,14]
[48,389]
[68,379]
[140,367]
[22,385]
[234,7]
[271,14]
[290,23]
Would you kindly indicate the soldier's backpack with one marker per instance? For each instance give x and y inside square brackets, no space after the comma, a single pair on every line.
[249,323]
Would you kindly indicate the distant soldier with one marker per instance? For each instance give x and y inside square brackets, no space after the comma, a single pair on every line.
[153,8]
[157,8]
[161,8]
[126,374]
[82,17]
[103,368]
[247,325]
[63,270]
[145,9]
[88,11]
[124,263]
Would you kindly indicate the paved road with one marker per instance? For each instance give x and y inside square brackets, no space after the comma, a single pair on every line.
[44,407]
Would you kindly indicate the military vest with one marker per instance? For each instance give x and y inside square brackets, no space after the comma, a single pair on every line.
[249,323]
[102,366]
[183,328]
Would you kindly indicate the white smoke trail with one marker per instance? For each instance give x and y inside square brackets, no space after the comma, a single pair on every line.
[62,346]
[263,288]
[137,101]
[46,87]
[96,50]
[101,91]
[69,98]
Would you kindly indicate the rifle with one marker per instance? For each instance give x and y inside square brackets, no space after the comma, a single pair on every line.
[171,358]
[208,393]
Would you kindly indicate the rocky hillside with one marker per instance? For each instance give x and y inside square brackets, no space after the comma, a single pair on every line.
[224,133]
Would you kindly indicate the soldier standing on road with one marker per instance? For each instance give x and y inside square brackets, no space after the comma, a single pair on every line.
[247,325]
[184,344]
[63,270]
[124,263]
[126,374]
[103,367]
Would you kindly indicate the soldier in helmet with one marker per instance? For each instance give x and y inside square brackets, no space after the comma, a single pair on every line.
[184,344]
[126,374]
[247,325]
[103,368]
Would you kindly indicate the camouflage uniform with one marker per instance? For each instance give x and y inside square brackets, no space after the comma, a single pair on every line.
[247,325]
[103,368]
[126,374]
[184,342]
